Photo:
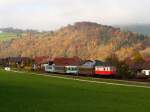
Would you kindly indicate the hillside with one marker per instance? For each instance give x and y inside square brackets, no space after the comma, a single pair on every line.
[84,39]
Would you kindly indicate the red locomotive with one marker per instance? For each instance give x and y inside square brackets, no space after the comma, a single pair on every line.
[105,70]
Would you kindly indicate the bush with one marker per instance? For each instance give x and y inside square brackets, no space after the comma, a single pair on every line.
[122,68]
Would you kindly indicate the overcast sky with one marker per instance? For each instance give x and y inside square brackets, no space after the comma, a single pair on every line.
[52,14]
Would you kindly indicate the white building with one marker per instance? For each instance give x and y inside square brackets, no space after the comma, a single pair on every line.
[146,68]
[146,72]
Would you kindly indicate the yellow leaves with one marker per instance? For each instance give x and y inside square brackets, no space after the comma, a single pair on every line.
[124,53]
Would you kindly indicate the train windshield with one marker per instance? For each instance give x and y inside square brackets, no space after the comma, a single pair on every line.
[48,67]
[72,68]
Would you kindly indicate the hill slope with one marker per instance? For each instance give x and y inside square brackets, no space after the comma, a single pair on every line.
[84,39]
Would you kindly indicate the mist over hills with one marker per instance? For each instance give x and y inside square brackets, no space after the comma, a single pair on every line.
[140,28]
[17,30]
[87,40]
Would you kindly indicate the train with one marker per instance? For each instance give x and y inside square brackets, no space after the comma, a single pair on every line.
[88,68]
[63,65]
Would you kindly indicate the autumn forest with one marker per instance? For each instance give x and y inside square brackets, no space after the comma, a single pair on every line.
[84,39]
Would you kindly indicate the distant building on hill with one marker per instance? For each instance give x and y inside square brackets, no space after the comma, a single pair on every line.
[0,31]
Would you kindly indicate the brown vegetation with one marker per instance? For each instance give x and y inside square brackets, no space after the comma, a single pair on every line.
[84,39]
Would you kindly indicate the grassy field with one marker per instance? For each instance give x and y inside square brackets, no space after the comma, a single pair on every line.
[7,36]
[22,92]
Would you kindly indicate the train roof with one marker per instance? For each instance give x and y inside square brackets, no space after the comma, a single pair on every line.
[64,61]
[42,59]
[90,63]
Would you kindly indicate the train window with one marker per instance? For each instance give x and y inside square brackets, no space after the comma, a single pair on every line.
[49,67]
[101,68]
[104,69]
[107,68]
[71,68]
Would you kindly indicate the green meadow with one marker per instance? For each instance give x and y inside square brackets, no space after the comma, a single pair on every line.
[25,92]
[7,36]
